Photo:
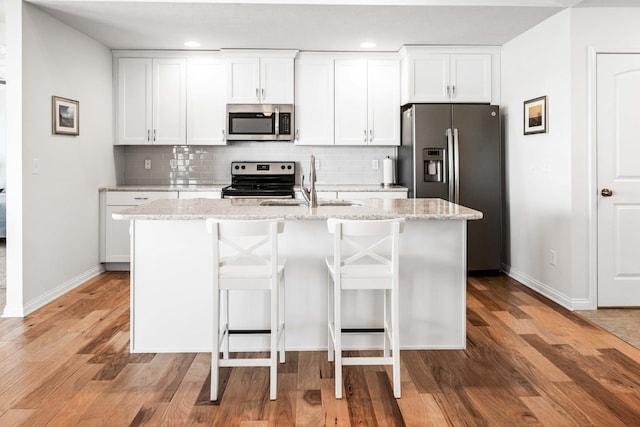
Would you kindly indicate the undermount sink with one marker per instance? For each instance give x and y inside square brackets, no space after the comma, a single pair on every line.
[294,202]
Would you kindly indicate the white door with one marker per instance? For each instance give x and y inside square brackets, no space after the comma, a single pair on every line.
[206,101]
[618,147]
[351,102]
[471,78]
[243,80]
[314,101]
[384,102]
[169,101]
[134,100]
[276,80]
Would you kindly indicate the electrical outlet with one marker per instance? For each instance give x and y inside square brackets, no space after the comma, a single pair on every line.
[147,164]
[375,164]
[553,258]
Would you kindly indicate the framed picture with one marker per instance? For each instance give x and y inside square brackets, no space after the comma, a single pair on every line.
[65,116]
[535,115]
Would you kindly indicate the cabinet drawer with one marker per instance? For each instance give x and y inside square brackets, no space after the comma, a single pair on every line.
[355,195]
[134,198]
[200,195]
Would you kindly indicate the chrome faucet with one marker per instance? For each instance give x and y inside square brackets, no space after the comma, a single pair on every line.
[309,194]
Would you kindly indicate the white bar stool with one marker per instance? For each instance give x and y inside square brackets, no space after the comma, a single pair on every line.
[359,263]
[252,264]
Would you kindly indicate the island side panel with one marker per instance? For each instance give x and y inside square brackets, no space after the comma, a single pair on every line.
[172,299]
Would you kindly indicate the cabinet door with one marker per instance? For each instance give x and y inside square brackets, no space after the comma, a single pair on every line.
[429,78]
[276,80]
[384,102]
[314,101]
[243,84]
[471,78]
[206,101]
[117,244]
[169,101]
[134,100]
[351,102]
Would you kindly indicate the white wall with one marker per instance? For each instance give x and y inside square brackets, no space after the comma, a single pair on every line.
[538,167]
[600,28]
[59,207]
[554,207]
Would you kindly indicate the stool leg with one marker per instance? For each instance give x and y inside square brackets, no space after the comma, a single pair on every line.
[215,350]
[337,327]
[225,302]
[273,383]
[386,319]
[281,320]
[395,328]
[330,317]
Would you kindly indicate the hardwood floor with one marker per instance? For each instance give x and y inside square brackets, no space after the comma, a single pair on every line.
[527,362]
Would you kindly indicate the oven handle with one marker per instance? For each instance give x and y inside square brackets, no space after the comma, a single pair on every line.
[226,196]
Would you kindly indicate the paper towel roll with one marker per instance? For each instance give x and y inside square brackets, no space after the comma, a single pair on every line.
[387,172]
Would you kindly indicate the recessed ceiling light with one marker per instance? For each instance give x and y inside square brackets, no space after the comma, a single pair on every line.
[191,44]
[367,45]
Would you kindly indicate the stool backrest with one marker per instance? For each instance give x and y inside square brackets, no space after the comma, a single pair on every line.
[253,242]
[351,244]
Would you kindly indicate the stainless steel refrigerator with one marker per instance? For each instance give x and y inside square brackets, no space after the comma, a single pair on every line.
[453,152]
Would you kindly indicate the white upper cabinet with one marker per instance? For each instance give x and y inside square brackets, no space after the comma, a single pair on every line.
[434,75]
[367,102]
[260,77]
[152,101]
[206,100]
[314,99]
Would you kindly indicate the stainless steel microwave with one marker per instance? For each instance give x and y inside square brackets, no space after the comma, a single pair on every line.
[259,122]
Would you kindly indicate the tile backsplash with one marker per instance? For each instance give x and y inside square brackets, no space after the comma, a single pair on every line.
[212,164]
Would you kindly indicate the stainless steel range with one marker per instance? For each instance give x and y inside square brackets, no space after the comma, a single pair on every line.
[261,180]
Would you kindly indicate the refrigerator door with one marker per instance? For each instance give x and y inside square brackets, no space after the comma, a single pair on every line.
[479,185]
[430,125]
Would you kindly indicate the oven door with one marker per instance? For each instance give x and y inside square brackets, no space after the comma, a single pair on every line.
[259,122]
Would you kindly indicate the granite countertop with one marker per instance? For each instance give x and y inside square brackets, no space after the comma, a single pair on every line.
[218,187]
[198,209]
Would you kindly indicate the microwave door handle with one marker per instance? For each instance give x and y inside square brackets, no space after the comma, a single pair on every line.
[277,127]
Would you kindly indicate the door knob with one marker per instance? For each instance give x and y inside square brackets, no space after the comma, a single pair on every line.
[606,192]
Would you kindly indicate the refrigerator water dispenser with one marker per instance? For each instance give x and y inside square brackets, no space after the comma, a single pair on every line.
[434,164]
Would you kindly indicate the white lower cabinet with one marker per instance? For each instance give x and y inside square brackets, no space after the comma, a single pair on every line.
[115,243]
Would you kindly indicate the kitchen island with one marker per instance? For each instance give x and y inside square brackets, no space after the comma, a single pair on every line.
[171,274]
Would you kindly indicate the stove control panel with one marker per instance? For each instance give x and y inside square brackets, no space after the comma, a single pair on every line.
[263,168]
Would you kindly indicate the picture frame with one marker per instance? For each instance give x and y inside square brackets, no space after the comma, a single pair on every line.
[535,115]
[65,119]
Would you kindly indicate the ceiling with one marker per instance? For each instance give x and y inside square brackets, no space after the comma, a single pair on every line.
[330,25]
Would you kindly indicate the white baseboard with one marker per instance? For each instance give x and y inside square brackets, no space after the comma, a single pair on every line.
[543,289]
[72,283]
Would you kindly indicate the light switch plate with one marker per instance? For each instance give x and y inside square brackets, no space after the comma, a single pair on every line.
[147,164]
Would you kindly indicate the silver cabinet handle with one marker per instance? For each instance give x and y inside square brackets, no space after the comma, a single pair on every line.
[257,94]
[448,91]
[140,198]
[453,91]
[223,135]
[606,192]
[154,135]
[148,135]
[297,137]
[262,91]
[370,135]
[365,135]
